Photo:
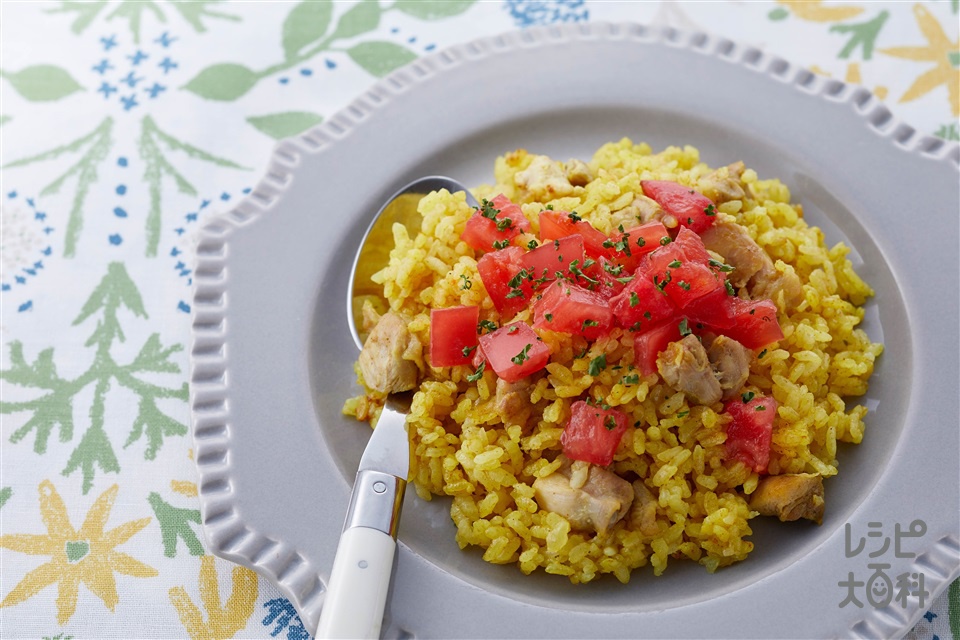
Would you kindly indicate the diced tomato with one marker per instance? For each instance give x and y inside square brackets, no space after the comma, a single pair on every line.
[681,270]
[552,256]
[641,301]
[453,330]
[560,224]
[514,351]
[593,433]
[497,269]
[750,432]
[628,247]
[606,273]
[481,232]
[752,323]
[569,308]
[712,310]
[648,345]
[691,209]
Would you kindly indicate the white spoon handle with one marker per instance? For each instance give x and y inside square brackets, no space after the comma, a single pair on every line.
[357,591]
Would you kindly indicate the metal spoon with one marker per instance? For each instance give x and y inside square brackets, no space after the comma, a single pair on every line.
[357,591]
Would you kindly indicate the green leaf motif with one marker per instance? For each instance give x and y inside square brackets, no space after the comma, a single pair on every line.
[175,523]
[359,19]
[133,10]
[433,9]
[93,451]
[42,82]
[86,12]
[779,14]
[5,494]
[4,120]
[380,58]
[223,82]
[286,124]
[305,24]
[863,35]
[193,12]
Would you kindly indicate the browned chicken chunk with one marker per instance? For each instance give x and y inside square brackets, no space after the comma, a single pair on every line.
[599,504]
[643,513]
[577,172]
[544,179]
[790,497]
[684,365]
[752,267]
[513,400]
[723,184]
[731,363]
[387,357]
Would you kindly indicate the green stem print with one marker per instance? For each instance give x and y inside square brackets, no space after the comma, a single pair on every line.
[133,11]
[95,146]
[863,35]
[174,524]
[54,405]
[309,29]
[5,494]
[151,152]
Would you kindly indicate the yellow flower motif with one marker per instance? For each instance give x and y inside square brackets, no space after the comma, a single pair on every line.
[222,621]
[814,11]
[939,50]
[84,555]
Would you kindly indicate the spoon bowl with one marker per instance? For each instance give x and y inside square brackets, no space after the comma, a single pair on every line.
[375,246]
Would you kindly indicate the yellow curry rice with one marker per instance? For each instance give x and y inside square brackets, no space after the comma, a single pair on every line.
[464,449]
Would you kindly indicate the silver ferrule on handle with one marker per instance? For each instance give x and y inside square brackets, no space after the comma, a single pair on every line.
[376,502]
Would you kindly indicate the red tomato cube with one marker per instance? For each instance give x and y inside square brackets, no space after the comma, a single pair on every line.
[497,271]
[608,275]
[626,248]
[691,209]
[681,270]
[482,231]
[560,224]
[641,302]
[750,432]
[514,351]
[453,335]
[648,345]
[556,255]
[753,323]
[593,433]
[568,308]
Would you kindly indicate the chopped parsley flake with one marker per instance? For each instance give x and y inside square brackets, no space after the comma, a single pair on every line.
[683,284]
[501,244]
[466,282]
[760,407]
[532,244]
[684,327]
[610,423]
[711,210]
[597,365]
[665,240]
[730,291]
[489,325]
[634,299]
[589,323]
[631,379]
[747,397]
[548,316]
[761,354]
[476,375]
[468,350]
[522,356]
[574,217]
[719,266]
[674,264]
[487,210]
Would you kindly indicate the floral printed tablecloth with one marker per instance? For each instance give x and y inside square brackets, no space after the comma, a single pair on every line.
[124,125]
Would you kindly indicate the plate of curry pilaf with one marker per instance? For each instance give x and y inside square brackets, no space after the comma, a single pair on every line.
[687,349]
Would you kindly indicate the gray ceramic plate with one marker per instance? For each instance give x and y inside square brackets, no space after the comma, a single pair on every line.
[272,355]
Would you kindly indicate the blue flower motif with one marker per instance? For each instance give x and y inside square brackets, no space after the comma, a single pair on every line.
[25,246]
[165,40]
[527,13]
[283,616]
[108,42]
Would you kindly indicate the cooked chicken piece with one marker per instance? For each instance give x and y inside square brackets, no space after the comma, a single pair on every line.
[387,357]
[641,210]
[577,172]
[790,497]
[752,267]
[731,362]
[599,504]
[643,513]
[685,367]
[544,179]
[513,400]
[723,184]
